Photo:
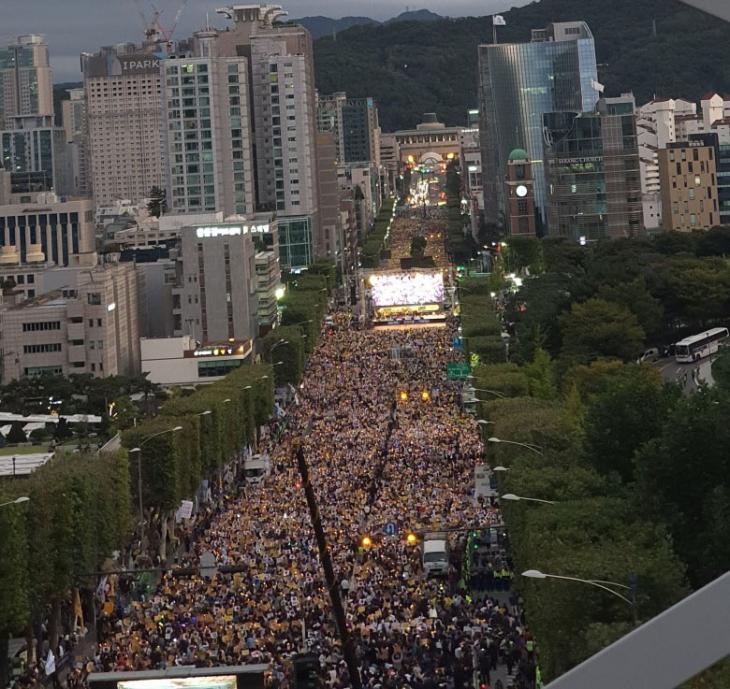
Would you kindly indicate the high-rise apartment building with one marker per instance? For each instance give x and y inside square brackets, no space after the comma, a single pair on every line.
[76,126]
[27,83]
[208,130]
[688,174]
[122,86]
[32,147]
[518,83]
[240,133]
[354,124]
[328,242]
[285,122]
[592,168]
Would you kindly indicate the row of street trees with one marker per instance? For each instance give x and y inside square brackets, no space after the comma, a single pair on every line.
[77,515]
[303,310]
[459,245]
[637,471]
[83,506]
[373,243]
[193,438]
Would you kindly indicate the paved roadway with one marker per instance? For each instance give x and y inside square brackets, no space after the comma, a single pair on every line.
[689,376]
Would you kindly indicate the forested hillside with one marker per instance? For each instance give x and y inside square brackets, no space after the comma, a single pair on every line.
[412,68]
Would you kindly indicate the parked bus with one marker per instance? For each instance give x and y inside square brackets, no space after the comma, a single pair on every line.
[699,346]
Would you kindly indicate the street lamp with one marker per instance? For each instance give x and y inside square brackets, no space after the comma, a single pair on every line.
[139,463]
[598,583]
[496,393]
[278,363]
[17,501]
[534,448]
[227,400]
[207,412]
[516,498]
[277,344]
[500,469]
[484,422]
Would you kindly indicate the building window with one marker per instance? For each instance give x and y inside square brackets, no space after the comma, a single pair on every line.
[42,348]
[43,325]
[215,369]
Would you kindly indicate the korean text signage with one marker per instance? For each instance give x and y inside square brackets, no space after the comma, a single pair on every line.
[231,230]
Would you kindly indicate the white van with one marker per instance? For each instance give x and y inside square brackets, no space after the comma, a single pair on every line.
[256,468]
[435,554]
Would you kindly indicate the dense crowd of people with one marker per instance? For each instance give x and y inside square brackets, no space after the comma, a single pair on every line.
[388,451]
[384,444]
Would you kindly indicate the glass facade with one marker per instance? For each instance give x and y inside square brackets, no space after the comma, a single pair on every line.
[357,114]
[29,151]
[295,242]
[592,170]
[519,83]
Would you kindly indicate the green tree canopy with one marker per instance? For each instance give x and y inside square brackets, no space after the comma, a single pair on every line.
[598,328]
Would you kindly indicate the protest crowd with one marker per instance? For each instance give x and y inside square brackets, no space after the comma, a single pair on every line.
[386,444]
[409,631]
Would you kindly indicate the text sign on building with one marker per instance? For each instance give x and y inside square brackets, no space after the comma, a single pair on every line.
[579,161]
[231,230]
[139,64]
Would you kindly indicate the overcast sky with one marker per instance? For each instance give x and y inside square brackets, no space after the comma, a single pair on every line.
[73,26]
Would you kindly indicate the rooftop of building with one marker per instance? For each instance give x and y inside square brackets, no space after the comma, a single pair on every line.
[55,298]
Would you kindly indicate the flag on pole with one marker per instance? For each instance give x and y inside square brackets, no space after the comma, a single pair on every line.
[597,86]
[498,20]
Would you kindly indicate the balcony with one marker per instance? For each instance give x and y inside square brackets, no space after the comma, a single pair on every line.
[75,331]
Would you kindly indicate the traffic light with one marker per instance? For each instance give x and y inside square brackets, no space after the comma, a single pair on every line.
[306,672]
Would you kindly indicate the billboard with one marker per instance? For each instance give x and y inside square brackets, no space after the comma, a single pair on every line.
[407,289]
[230,677]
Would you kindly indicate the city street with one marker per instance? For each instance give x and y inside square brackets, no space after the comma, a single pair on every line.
[388,453]
[689,376]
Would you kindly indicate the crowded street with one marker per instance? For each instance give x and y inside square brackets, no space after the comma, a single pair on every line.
[389,452]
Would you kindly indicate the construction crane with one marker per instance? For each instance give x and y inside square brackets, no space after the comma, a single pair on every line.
[153,29]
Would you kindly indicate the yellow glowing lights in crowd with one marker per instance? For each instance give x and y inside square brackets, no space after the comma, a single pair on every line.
[425,395]
[411,539]
[366,541]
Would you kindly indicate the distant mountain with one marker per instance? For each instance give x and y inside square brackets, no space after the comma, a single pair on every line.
[650,47]
[416,16]
[326,26]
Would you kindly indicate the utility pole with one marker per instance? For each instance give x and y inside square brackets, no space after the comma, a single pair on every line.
[348,650]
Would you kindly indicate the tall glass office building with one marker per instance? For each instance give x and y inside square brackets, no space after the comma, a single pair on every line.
[518,84]
[592,170]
